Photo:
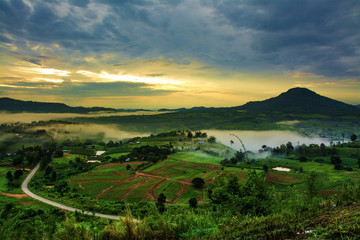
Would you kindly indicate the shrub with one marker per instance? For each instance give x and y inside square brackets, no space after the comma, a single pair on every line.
[198,182]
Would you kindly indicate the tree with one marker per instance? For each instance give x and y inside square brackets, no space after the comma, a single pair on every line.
[240,155]
[10,179]
[212,139]
[161,198]
[110,144]
[48,170]
[198,182]
[224,188]
[353,137]
[193,202]
[265,168]
[45,160]
[289,148]
[312,184]
[18,174]
[160,203]
[335,160]
[189,135]
[9,176]
[62,187]
[58,153]
[18,159]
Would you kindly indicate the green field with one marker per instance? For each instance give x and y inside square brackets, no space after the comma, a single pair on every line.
[196,158]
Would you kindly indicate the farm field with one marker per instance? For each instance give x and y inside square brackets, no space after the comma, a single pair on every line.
[172,177]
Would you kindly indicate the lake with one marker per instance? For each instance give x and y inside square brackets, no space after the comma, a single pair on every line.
[254,140]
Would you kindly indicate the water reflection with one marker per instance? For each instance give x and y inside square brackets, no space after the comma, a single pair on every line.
[254,140]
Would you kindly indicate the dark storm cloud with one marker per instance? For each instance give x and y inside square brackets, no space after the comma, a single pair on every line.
[88,89]
[32,60]
[319,36]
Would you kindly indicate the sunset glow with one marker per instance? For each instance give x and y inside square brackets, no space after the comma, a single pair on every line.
[171,54]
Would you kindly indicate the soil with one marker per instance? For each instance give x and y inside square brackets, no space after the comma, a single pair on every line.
[15,195]
[133,187]
[119,164]
[179,194]
[16,167]
[151,192]
[149,175]
[117,183]
[280,178]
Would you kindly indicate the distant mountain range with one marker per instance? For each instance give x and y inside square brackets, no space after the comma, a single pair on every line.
[294,101]
[16,106]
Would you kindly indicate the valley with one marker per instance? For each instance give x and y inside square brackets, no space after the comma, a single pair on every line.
[217,173]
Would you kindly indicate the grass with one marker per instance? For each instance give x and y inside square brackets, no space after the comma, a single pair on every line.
[138,193]
[191,192]
[93,188]
[116,155]
[157,166]
[4,181]
[118,192]
[196,158]
[169,189]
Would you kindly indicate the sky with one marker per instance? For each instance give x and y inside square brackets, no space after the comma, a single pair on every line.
[174,53]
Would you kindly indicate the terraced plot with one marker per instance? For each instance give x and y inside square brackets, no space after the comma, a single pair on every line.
[171,177]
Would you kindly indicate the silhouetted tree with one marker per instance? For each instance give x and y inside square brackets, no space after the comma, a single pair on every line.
[9,176]
[198,182]
[193,202]
[189,135]
[160,203]
[212,139]
[353,137]
[18,174]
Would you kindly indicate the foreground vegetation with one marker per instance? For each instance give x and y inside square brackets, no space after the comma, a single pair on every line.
[181,185]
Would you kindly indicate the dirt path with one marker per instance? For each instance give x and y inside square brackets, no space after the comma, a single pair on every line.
[80,186]
[151,192]
[160,169]
[205,174]
[15,195]
[179,194]
[187,182]
[117,183]
[90,180]
[16,167]
[133,187]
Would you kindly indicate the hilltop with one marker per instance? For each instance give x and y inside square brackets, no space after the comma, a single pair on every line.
[301,101]
[16,106]
[294,101]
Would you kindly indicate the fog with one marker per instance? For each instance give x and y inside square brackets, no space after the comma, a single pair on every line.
[29,117]
[254,140]
[88,131]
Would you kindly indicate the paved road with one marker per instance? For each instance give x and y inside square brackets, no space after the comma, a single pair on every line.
[24,187]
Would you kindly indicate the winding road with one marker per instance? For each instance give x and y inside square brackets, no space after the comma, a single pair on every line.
[26,190]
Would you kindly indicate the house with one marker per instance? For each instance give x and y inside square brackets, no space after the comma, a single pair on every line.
[93,161]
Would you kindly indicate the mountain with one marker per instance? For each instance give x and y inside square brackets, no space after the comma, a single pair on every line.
[16,106]
[301,101]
